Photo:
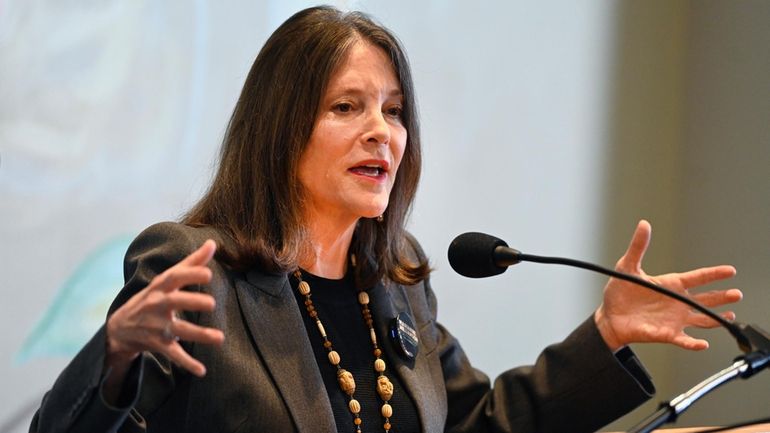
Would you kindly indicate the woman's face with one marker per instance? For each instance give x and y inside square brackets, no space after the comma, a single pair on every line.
[349,165]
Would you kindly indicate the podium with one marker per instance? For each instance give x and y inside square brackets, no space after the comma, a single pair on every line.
[760,428]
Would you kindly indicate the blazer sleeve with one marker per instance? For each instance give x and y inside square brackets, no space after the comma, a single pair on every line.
[577,385]
[75,403]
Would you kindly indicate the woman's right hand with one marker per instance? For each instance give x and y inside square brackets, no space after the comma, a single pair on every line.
[148,320]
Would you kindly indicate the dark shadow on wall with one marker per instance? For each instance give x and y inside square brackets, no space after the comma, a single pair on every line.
[643,149]
[689,150]
[724,206]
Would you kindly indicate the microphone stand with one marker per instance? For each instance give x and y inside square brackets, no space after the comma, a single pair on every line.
[744,367]
[751,339]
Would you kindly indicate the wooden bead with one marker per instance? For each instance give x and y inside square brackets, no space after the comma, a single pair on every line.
[346,381]
[357,421]
[387,411]
[363,298]
[321,328]
[379,366]
[354,406]
[377,352]
[386,426]
[304,288]
[384,388]
[327,344]
[334,357]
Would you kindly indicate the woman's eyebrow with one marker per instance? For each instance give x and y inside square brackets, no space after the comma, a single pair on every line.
[355,90]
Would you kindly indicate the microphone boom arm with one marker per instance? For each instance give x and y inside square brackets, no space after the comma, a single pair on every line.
[508,256]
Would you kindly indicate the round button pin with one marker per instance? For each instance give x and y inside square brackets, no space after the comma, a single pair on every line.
[404,335]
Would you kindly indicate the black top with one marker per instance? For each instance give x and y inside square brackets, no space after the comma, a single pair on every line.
[336,302]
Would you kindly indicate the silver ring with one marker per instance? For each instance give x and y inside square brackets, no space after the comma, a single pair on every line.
[168,334]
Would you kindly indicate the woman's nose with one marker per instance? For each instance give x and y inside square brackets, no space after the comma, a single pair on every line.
[377,128]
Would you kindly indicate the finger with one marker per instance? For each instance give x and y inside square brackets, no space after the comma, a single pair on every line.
[632,259]
[716,298]
[180,276]
[703,276]
[202,255]
[190,301]
[191,332]
[702,321]
[178,356]
[686,342]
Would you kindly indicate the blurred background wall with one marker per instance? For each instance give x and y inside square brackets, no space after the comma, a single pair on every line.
[555,125]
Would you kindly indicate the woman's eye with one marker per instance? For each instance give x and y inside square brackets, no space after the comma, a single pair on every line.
[396,111]
[343,107]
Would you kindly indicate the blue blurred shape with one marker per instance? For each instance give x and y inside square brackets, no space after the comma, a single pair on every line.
[80,306]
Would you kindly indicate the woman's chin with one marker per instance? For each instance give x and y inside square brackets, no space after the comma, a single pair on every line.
[374,211]
[372,215]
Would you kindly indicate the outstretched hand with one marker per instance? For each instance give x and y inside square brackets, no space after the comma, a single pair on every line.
[148,321]
[633,314]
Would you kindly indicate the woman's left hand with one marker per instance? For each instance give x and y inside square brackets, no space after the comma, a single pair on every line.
[633,314]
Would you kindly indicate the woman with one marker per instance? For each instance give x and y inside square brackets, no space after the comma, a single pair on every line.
[268,307]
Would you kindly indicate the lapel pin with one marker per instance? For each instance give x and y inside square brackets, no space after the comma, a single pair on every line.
[404,335]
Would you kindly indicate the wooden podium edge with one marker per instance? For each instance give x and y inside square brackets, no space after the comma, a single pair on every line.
[759,428]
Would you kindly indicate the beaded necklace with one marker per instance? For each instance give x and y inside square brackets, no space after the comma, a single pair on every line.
[345,378]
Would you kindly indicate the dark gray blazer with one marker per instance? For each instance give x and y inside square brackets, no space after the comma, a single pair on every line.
[265,377]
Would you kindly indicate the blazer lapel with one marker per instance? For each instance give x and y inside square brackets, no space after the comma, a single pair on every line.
[273,319]
[416,375]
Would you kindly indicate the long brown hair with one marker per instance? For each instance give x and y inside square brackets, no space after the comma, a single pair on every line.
[255,198]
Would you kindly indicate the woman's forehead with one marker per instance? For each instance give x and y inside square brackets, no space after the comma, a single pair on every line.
[365,67]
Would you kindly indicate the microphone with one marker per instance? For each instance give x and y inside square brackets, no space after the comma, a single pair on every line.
[479,255]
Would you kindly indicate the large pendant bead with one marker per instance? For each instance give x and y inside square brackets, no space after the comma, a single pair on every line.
[346,381]
[384,388]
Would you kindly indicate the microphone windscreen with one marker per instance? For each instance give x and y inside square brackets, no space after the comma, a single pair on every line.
[472,255]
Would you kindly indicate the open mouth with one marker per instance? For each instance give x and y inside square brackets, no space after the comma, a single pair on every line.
[373,169]
[368,170]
